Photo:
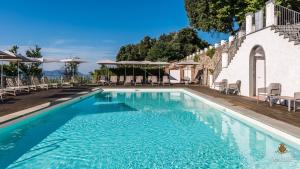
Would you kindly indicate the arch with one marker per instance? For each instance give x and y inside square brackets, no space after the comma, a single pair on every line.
[257,62]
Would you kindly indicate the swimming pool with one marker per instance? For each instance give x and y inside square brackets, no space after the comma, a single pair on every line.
[140,129]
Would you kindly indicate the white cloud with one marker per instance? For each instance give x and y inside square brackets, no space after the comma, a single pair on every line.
[59,41]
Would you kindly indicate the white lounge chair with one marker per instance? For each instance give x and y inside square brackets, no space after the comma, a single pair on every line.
[35,81]
[12,88]
[274,89]
[139,80]
[102,81]
[2,93]
[166,80]
[21,83]
[149,80]
[113,80]
[128,80]
[66,83]
[234,88]
[221,85]
[154,80]
[121,80]
[45,80]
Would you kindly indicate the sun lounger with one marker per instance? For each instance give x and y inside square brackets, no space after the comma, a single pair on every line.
[139,80]
[12,88]
[154,80]
[121,80]
[149,79]
[45,80]
[21,83]
[35,81]
[128,80]
[234,88]
[166,80]
[113,80]
[274,89]
[102,80]
[2,93]
[76,81]
[66,83]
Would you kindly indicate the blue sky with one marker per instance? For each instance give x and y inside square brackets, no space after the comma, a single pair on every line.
[90,29]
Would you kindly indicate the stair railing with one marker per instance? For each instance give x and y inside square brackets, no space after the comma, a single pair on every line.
[286,16]
[231,48]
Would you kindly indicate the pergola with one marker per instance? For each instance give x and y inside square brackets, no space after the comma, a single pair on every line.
[133,64]
[187,64]
[107,63]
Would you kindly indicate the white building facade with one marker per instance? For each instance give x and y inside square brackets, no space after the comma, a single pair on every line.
[269,53]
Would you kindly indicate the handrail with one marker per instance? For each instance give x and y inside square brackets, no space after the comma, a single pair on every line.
[232,48]
[286,16]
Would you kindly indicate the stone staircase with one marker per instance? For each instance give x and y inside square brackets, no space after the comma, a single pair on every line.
[231,48]
[291,32]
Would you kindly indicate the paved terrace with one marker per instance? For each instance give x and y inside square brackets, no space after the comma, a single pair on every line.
[278,112]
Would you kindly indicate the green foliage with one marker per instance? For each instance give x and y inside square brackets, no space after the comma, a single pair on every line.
[168,47]
[12,68]
[211,52]
[32,69]
[26,69]
[196,58]
[221,16]
[71,69]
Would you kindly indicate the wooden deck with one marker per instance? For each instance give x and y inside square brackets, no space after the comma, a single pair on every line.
[278,112]
[23,101]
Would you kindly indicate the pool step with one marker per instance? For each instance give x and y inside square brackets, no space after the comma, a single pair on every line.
[105,103]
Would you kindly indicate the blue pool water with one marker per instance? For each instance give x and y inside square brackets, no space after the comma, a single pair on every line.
[139,130]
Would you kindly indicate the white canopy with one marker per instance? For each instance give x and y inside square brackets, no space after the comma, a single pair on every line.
[141,63]
[48,60]
[8,56]
[190,62]
[129,63]
[73,60]
[160,63]
[106,62]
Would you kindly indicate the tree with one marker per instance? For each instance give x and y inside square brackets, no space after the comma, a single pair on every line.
[32,69]
[12,68]
[221,16]
[129,52]
[189,41]
[14,49]
[70,69]
[168,47]
[144,46]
